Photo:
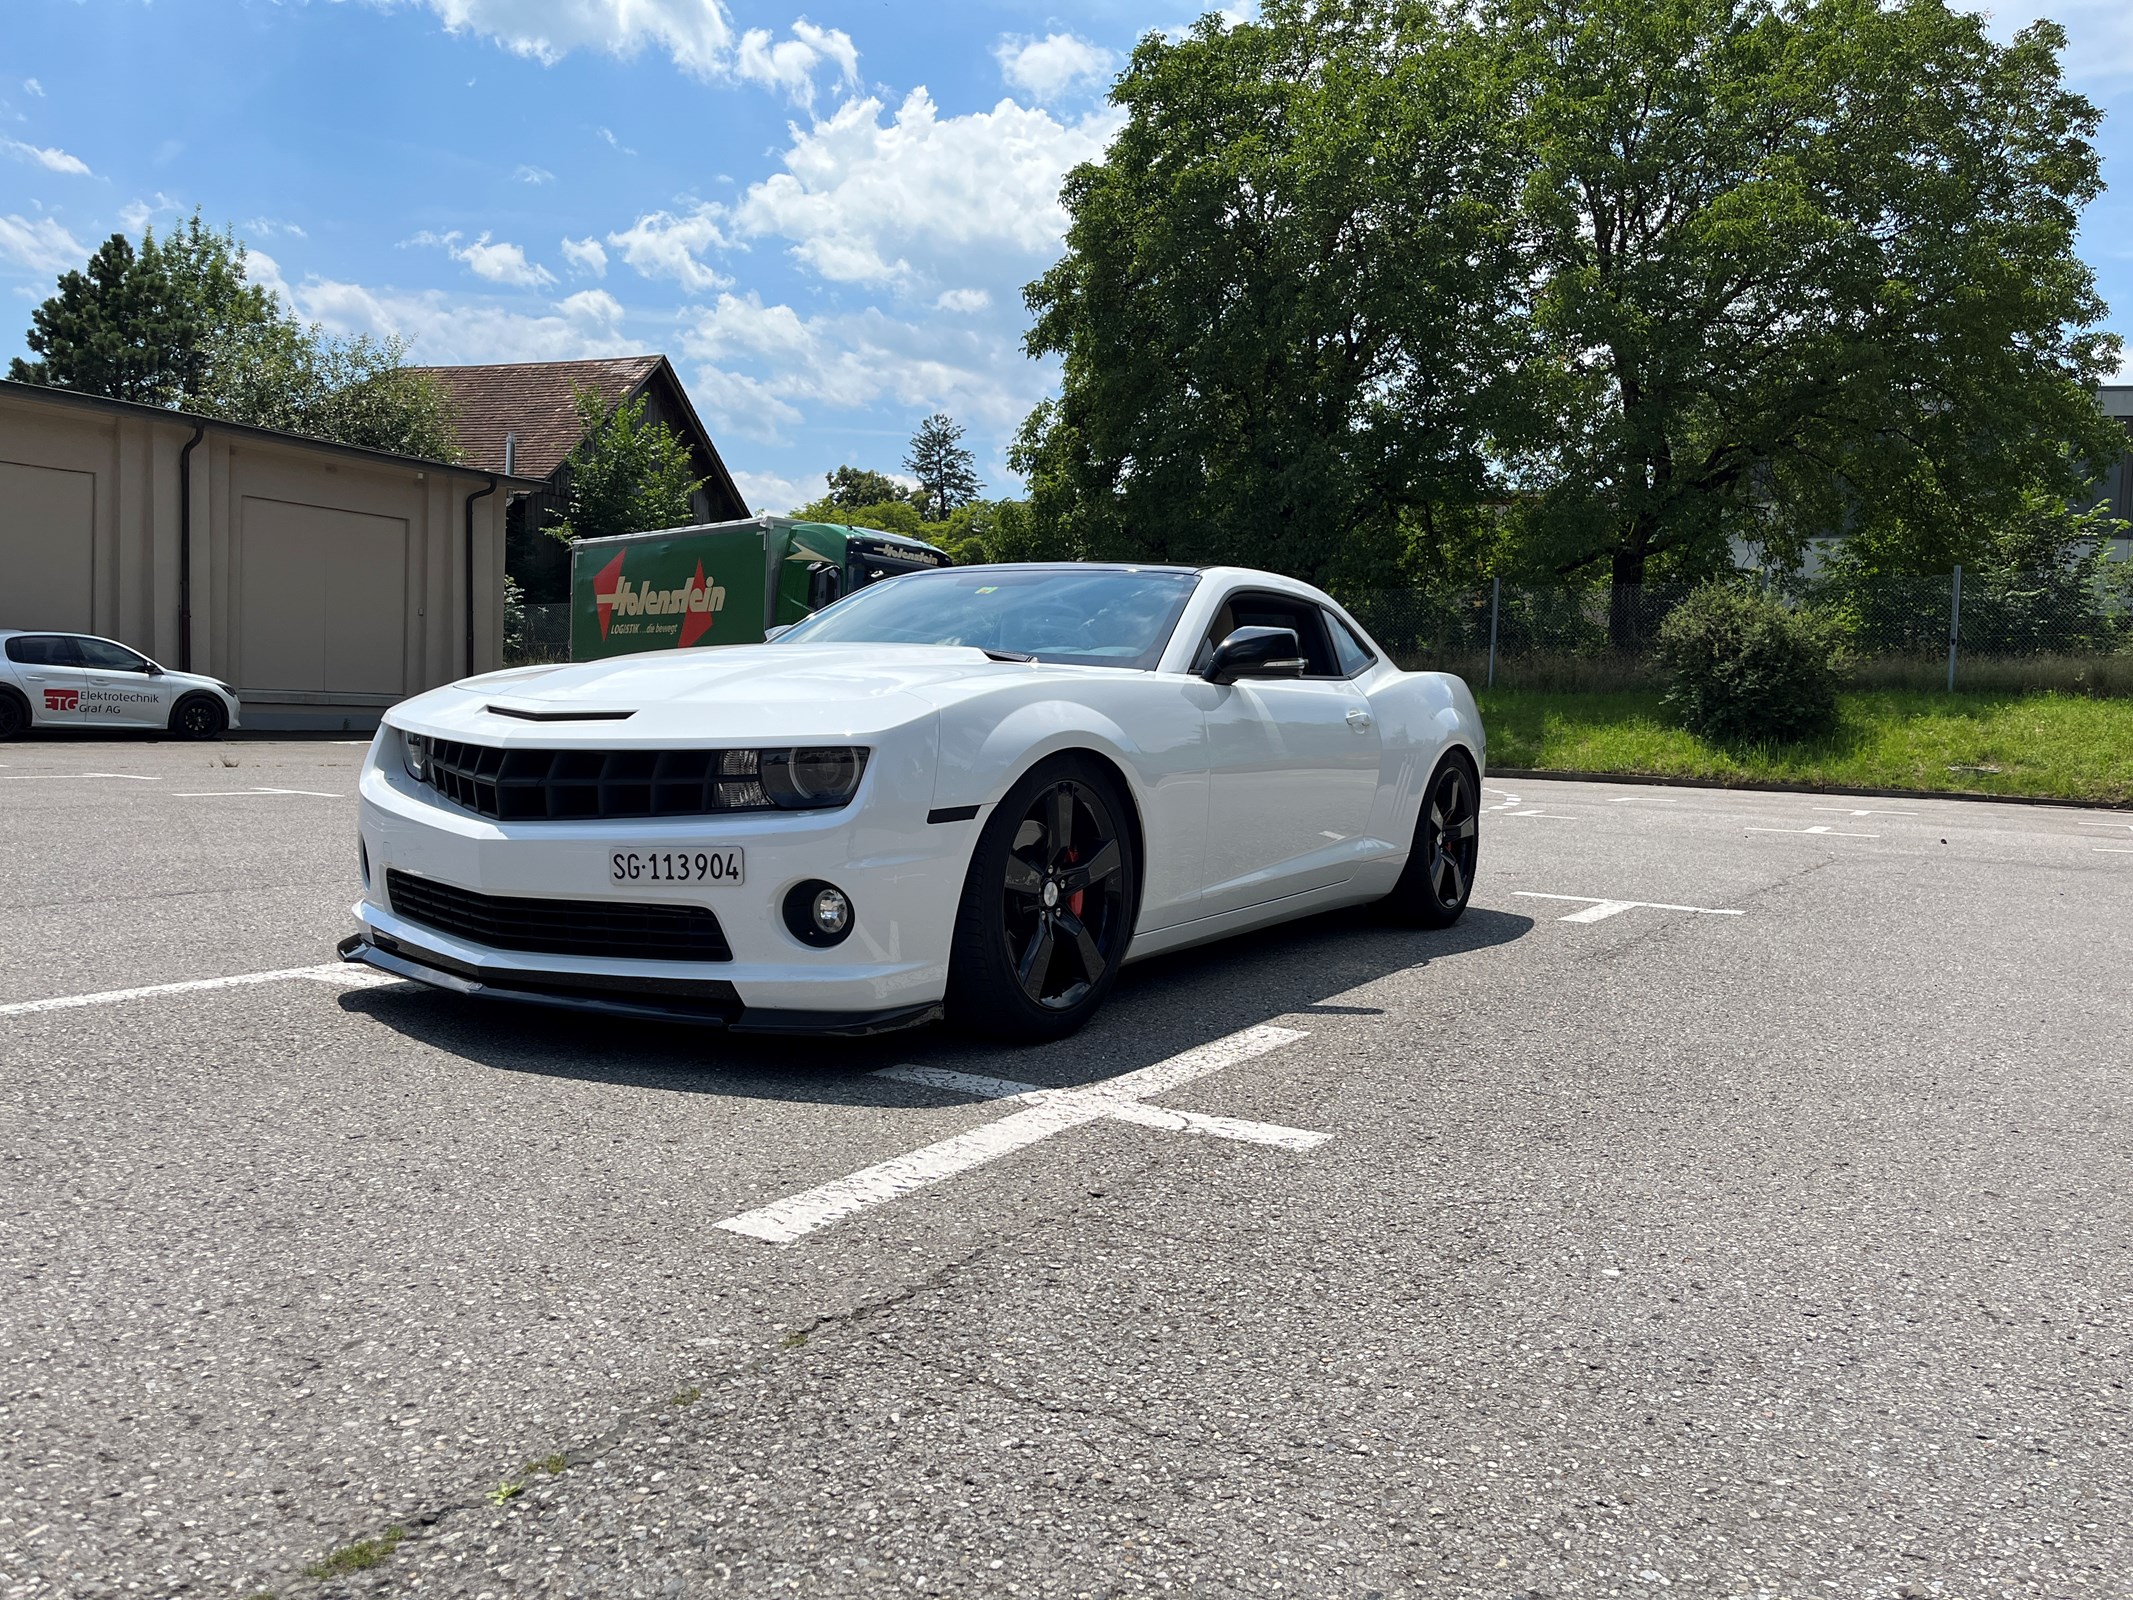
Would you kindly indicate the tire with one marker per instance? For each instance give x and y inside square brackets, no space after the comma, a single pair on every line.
[1045,901]
[199,716]
[14,715]
[1433,889]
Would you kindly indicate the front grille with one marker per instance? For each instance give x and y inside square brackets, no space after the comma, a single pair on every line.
[533,785]
[559,927]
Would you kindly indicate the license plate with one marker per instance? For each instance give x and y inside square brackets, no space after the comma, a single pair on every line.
[660,867]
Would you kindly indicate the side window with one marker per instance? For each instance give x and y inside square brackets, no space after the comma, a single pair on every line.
[1300,617]
[1347,648]
[43,650]
[103,656]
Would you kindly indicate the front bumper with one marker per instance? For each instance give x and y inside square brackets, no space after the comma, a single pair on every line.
[707,1003]
[903,874]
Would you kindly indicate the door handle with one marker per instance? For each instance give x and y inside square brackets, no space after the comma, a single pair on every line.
[1358,719]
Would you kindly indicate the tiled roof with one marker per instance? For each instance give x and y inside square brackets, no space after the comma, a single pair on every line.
[535,400]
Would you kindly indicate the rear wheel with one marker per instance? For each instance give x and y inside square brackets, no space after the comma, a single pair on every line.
[1047,908]
[199,716]
[1433,889]
[14,714]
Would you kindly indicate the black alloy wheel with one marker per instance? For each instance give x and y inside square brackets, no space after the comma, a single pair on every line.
[1047,910]
[199,717]
[1439,876]
[14,715]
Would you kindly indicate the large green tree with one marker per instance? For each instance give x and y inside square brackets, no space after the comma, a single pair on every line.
[627,475]
[1283,297]
[178,322]
[1797,267]
[947,473]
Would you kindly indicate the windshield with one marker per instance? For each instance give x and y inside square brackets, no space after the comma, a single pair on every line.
[1073,616]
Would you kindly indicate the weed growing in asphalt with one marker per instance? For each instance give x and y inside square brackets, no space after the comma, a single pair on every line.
[358,1557]
[548,1464]
[507,1490]
[793,1341]
[688,1397]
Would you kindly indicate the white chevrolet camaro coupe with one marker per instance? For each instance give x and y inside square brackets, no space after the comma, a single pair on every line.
[978,791]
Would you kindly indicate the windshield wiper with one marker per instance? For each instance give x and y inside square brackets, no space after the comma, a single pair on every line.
[1007,655]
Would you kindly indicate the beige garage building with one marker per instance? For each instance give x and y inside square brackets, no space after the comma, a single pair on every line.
[324,582]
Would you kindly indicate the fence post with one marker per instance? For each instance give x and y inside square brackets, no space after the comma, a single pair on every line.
[1955,622]
[1495,605]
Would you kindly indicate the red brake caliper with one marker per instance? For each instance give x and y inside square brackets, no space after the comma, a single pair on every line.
[1073,903]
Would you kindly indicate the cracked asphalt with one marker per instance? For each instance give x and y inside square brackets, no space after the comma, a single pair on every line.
[1787,1253]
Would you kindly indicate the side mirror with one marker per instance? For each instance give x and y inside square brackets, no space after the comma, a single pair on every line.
[825,585]
[1256,653]
[151,669]
[773,633]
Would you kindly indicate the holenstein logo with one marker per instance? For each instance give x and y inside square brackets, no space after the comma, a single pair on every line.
[696,602]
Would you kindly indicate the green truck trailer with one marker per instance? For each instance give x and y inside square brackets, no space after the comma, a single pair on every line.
[723,582]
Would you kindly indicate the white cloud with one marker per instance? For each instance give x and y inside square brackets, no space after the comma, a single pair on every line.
[498,263]
[585,257]
[663,245]
[445,328]
[39,244]
[964,301]
[52,160]
[137,214]
[908,202]
[791,64]
[848,362]
[592,307]
[1046,68]
[503,263]
[775,493]
[32,86]
[267,227]
[535,175]
[696,34]
[613,143]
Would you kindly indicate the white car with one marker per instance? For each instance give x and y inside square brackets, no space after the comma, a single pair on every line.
[76,680]
[979,791]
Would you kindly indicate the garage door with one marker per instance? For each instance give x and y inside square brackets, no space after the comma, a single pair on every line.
[322,599]
[47,541]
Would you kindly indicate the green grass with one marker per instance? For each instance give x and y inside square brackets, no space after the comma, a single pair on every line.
[358,1557]
[2063,746]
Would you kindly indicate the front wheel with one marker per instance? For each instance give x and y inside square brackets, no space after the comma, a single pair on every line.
[1047,908]
[14,714]
[199,716]
[1432,890]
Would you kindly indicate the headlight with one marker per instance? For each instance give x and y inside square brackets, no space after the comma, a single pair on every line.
[226,689]
[813,777]
[415,754]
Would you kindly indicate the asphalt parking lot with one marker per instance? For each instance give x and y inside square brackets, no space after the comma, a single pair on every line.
[1736,1203]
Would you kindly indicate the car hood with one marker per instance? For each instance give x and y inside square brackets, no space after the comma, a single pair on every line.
[689,696]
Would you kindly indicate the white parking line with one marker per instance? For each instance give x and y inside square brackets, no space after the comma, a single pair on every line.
[1046,1112]
[2128,826]
[130,777]
[1599,910]
[333,972]
[2112,850]
[217,794]
[1820,827]
[1842,812]
[1560,816]
[1644,799]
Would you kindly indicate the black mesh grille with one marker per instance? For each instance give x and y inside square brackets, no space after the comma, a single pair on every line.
[560,927]
[532,785]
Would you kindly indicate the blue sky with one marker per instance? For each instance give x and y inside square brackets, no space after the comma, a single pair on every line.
[825,217]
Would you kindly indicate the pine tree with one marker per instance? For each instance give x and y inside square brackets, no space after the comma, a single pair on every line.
[946,472]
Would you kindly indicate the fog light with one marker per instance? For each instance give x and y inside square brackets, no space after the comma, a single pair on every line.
[818,913]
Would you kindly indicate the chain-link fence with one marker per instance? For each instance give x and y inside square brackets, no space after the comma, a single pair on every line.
[2068,628]
[537,635]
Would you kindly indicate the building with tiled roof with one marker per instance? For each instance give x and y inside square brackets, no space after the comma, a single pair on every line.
[522,417]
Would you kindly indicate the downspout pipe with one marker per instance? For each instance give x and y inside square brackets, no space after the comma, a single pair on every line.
[185,548]
[476,495]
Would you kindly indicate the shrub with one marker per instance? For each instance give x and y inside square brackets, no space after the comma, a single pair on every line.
[1745,669]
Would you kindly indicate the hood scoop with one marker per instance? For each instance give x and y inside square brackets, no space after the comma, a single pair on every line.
[557,716]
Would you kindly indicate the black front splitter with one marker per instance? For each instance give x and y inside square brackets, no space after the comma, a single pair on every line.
[701,1002]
